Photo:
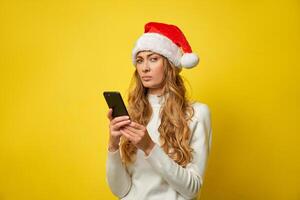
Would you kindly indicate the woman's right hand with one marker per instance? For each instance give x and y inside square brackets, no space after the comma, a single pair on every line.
[114,130]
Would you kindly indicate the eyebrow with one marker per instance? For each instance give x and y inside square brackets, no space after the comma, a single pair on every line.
[147,55]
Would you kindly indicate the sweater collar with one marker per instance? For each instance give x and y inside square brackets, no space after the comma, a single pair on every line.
[156,99]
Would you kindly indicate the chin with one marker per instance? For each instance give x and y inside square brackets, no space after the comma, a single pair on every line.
[148,85]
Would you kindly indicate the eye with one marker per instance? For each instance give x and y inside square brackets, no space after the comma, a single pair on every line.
[154,59]
[138,61]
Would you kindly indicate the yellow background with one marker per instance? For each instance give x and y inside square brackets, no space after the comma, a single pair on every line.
[57,57]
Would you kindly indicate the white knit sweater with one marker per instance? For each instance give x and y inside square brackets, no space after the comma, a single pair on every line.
[157,176]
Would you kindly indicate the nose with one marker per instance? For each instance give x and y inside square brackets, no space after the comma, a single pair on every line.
[145,67]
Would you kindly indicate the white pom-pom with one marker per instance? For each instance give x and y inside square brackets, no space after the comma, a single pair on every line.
[189,60]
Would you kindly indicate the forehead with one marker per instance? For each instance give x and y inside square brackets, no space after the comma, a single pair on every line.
[146,54]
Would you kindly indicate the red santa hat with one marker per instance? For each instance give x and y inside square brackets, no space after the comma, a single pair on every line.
[167,40]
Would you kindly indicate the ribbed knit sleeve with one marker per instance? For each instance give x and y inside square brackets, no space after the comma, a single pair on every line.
[117,176]
[187,181]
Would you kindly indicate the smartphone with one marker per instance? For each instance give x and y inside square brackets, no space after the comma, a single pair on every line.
[114,100]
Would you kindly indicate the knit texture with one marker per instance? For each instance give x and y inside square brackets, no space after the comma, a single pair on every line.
[157,176]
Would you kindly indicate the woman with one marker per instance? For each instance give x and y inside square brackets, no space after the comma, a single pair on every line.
[161,152]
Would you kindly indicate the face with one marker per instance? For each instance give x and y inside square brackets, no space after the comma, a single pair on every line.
[150,67]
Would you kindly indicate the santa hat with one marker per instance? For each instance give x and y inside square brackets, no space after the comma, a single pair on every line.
[167,40]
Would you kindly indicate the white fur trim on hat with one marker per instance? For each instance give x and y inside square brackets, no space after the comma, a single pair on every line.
[189,60]
[159,44]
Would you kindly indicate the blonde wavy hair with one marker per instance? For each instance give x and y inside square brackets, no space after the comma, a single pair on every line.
[175,114]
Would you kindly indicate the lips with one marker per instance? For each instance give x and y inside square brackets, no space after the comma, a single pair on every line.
[146,77]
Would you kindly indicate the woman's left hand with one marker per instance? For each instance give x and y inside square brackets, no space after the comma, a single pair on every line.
[139,136]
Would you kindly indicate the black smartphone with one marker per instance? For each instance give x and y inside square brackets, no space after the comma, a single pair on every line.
[114,100]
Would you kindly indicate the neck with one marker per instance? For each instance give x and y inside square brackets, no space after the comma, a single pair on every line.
[155,99]
[156,91]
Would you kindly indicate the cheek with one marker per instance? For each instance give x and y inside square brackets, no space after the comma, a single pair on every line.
[139,70]
[160,76]
[159,73]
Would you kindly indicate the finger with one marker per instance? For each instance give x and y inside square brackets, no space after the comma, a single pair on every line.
[133,130]
[127,135]
[135,138]
[120,124]
[130,131]
[119,119]
[109,114]
[133,135]
[137,125]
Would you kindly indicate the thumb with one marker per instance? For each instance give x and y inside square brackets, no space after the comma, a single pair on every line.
[109,114]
